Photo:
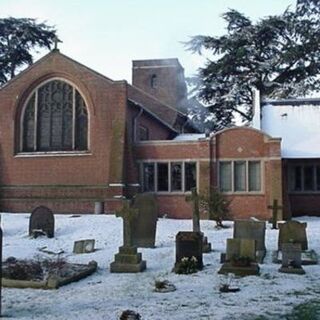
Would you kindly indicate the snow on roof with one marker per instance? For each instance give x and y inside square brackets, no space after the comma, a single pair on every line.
[297,125]
[189,136]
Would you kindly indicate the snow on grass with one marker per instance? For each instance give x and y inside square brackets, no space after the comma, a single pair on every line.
[105,295]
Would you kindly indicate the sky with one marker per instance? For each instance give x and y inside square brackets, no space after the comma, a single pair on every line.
[106,35]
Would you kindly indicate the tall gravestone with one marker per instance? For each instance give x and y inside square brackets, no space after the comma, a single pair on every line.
[41,222]
[293,232]
[188,245]
[128,259]
[145,225]
[255,230]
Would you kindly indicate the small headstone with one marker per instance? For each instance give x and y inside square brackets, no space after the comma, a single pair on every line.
[293,232]
[240,258]
[255,230]
[84,246]
[188,245]
[145,225]
[41,222]
[194,198]
[291,258]
[128,259]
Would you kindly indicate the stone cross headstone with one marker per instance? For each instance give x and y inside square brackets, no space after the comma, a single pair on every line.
[293,232]
[188,245]
[291,258]
[194,198]
[128,259]
[275,207]
[41,220]
[255,230]
[84,246]
[128,214]
[145,225]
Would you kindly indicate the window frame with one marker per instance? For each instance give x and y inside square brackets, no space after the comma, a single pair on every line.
[34,92]
[169,162]
[292,174]
[247,162]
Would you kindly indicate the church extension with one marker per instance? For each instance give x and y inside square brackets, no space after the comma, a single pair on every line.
[76,141]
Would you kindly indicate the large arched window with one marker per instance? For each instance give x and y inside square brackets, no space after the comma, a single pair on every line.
[55,119]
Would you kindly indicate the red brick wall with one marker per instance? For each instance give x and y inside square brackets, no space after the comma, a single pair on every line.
[103,164]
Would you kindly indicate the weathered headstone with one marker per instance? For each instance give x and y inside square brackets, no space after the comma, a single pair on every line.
[255,230]
[188,245]
[240,258]
[194,198]
[275,207]
[128,259]
[293,232]
[291,258]
[145,225]
[41,222]
[84,246]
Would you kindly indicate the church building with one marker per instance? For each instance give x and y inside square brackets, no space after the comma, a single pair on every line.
[76,141]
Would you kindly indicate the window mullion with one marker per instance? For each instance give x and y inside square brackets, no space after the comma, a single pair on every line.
[73,118]
[35,131]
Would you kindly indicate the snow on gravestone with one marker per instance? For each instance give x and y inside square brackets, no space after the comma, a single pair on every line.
[41,221]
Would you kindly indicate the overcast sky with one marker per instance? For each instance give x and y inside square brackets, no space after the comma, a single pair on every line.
[106,35]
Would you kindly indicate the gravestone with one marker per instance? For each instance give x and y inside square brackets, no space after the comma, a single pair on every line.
[128,259]
[194,198]
[84,246]
[240,258]
[41,222]
[255,230]
[145,225]
[188,245]
[293,232]
[291,258]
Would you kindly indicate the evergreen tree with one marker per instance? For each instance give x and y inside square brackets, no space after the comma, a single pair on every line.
[279,55]
[18,38]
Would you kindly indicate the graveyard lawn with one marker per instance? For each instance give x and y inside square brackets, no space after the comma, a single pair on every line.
[106,295]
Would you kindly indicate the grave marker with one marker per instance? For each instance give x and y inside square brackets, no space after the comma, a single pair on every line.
[145,225]
[188,245]
[255,230]
[128,259]
[275,207]
[291,258]
[41,222]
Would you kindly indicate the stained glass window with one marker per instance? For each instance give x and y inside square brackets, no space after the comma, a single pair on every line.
[55,119]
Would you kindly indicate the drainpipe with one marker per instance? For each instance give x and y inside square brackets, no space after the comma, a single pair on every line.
[135,119]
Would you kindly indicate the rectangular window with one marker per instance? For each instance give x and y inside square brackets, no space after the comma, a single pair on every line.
[239,176]
[304,178]
[254,176]
[162,176]
[190,175]
[225,176]
[176,176]
[148,177]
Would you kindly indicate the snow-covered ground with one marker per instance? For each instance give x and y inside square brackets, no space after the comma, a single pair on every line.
[105,295]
